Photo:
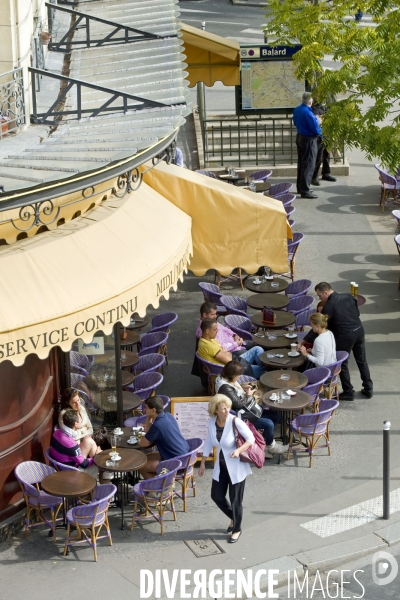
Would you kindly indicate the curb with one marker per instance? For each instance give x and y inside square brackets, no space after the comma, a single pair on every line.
[254,4]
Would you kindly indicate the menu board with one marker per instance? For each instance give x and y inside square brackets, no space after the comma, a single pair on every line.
[191,415]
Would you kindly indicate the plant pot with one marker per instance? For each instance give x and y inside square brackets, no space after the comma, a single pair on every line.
[45,38]
[4,125]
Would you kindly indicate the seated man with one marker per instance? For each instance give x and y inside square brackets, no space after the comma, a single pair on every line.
[161,430]
[225,336]
[63,446]
[210,349]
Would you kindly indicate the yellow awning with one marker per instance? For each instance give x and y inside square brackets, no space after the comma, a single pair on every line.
[90,273]
[210,57]
[231,227]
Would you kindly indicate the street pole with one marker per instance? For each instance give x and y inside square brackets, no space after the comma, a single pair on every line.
[386,470]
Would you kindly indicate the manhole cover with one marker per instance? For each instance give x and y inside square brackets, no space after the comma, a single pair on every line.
[206,547]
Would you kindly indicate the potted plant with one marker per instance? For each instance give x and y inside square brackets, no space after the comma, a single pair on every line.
[45,37]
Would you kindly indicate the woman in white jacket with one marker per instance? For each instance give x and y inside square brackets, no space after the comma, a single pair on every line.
[229,472]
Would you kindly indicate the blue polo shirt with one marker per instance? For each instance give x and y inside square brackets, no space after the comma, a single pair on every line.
[165,433]
[305,121]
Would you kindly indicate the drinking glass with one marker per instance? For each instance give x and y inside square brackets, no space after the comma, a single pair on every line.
[113,441]
[291,329]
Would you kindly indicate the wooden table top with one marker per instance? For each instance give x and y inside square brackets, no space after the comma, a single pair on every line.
[294,361]
[122,440]
[283,319]
[132,338]
[127,378]
[267,299]
[68,484]
[266,286]
[273,379]
[130,401]
[138,322]
[361,300]
[128,359]
[297,402]
[131,460]
[279,339]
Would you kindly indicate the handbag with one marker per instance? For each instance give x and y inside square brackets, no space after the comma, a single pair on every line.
[100,437]
[253,408]
[255,453]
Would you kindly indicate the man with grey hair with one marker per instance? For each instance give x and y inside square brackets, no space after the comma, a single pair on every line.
[308,131]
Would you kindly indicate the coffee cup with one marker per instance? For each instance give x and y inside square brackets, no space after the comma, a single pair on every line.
[293,348]
[133,439]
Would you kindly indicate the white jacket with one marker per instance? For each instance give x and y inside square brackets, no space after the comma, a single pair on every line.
[237,469]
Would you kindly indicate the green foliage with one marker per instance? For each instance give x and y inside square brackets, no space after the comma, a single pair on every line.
[366,80]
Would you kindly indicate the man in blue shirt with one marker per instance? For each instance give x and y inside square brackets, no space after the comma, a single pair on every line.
[308,131]
[162,431]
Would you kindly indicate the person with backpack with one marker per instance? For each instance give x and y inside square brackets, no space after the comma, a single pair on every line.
[242,399]
[229,471]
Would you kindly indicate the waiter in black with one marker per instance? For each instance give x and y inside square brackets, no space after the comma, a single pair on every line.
[345,324]
[308,132]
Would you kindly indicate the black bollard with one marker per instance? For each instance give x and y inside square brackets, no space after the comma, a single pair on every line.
[386,470]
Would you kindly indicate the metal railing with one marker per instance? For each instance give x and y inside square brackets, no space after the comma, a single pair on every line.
[12,102]
[119,34]
[57,111]
[254,141]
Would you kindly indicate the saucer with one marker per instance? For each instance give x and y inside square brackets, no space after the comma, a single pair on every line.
[290,336]
[274,397]
[132,441]
[257,282]
[293,354]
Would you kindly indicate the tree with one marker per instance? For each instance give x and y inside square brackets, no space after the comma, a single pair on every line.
[366,83]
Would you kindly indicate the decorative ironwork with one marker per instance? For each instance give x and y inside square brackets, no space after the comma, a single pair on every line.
[83,22]
[77,84]
[37,210]
[12,102]
[39,60]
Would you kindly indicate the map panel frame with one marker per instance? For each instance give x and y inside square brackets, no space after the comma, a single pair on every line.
[255,61]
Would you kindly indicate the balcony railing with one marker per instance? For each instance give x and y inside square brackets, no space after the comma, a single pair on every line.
[12,102]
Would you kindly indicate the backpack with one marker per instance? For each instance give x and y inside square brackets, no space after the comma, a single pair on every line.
[255,454]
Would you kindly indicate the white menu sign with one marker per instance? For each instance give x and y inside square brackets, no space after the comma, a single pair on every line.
[191,415]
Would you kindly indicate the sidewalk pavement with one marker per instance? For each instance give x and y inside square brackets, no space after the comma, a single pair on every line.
[347,239]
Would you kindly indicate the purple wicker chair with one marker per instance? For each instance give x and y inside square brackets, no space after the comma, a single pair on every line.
[331,385]
[298,288]
[57,465]
[149,363]
[246,379]
[390,186]
[311,428]
[211,293]
[292,223]
[300,304]
[156,493]
[91,518]
[303,320]
[286,199]
[397,242]
[261,175]
[292,250]
[29,475]
[278,189]
[151,343]
[206,173]
[162,322]
[289,210]
[240,325]
[396,214]
[235,275]
[235,305]
[145,384]
[185,475]
[135,421]
[76,379]
[316,379]
[212,370]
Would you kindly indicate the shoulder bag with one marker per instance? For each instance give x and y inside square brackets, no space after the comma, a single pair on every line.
[255,454]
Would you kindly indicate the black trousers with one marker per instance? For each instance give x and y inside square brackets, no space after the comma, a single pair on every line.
[234,510]
[354,341]
[307,148]
[323,157]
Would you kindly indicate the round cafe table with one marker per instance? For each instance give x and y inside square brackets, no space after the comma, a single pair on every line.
[127,377]
[137,322]
[131,339]
[275,301]
[129,359]
[266,286]
[68,484]
[131,461]
[130,401]
[273,380]
[361,300]
[278,363]
[282,319]
[122,440]
[286,408]
[279,339]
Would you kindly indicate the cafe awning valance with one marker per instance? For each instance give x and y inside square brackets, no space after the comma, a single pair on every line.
[231,227]
[90,273]
[210,57]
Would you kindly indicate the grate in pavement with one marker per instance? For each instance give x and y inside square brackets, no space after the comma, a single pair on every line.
[206,547]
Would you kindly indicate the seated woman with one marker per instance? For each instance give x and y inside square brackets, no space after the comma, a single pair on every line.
[227,384]
[323,351]
[83,435]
